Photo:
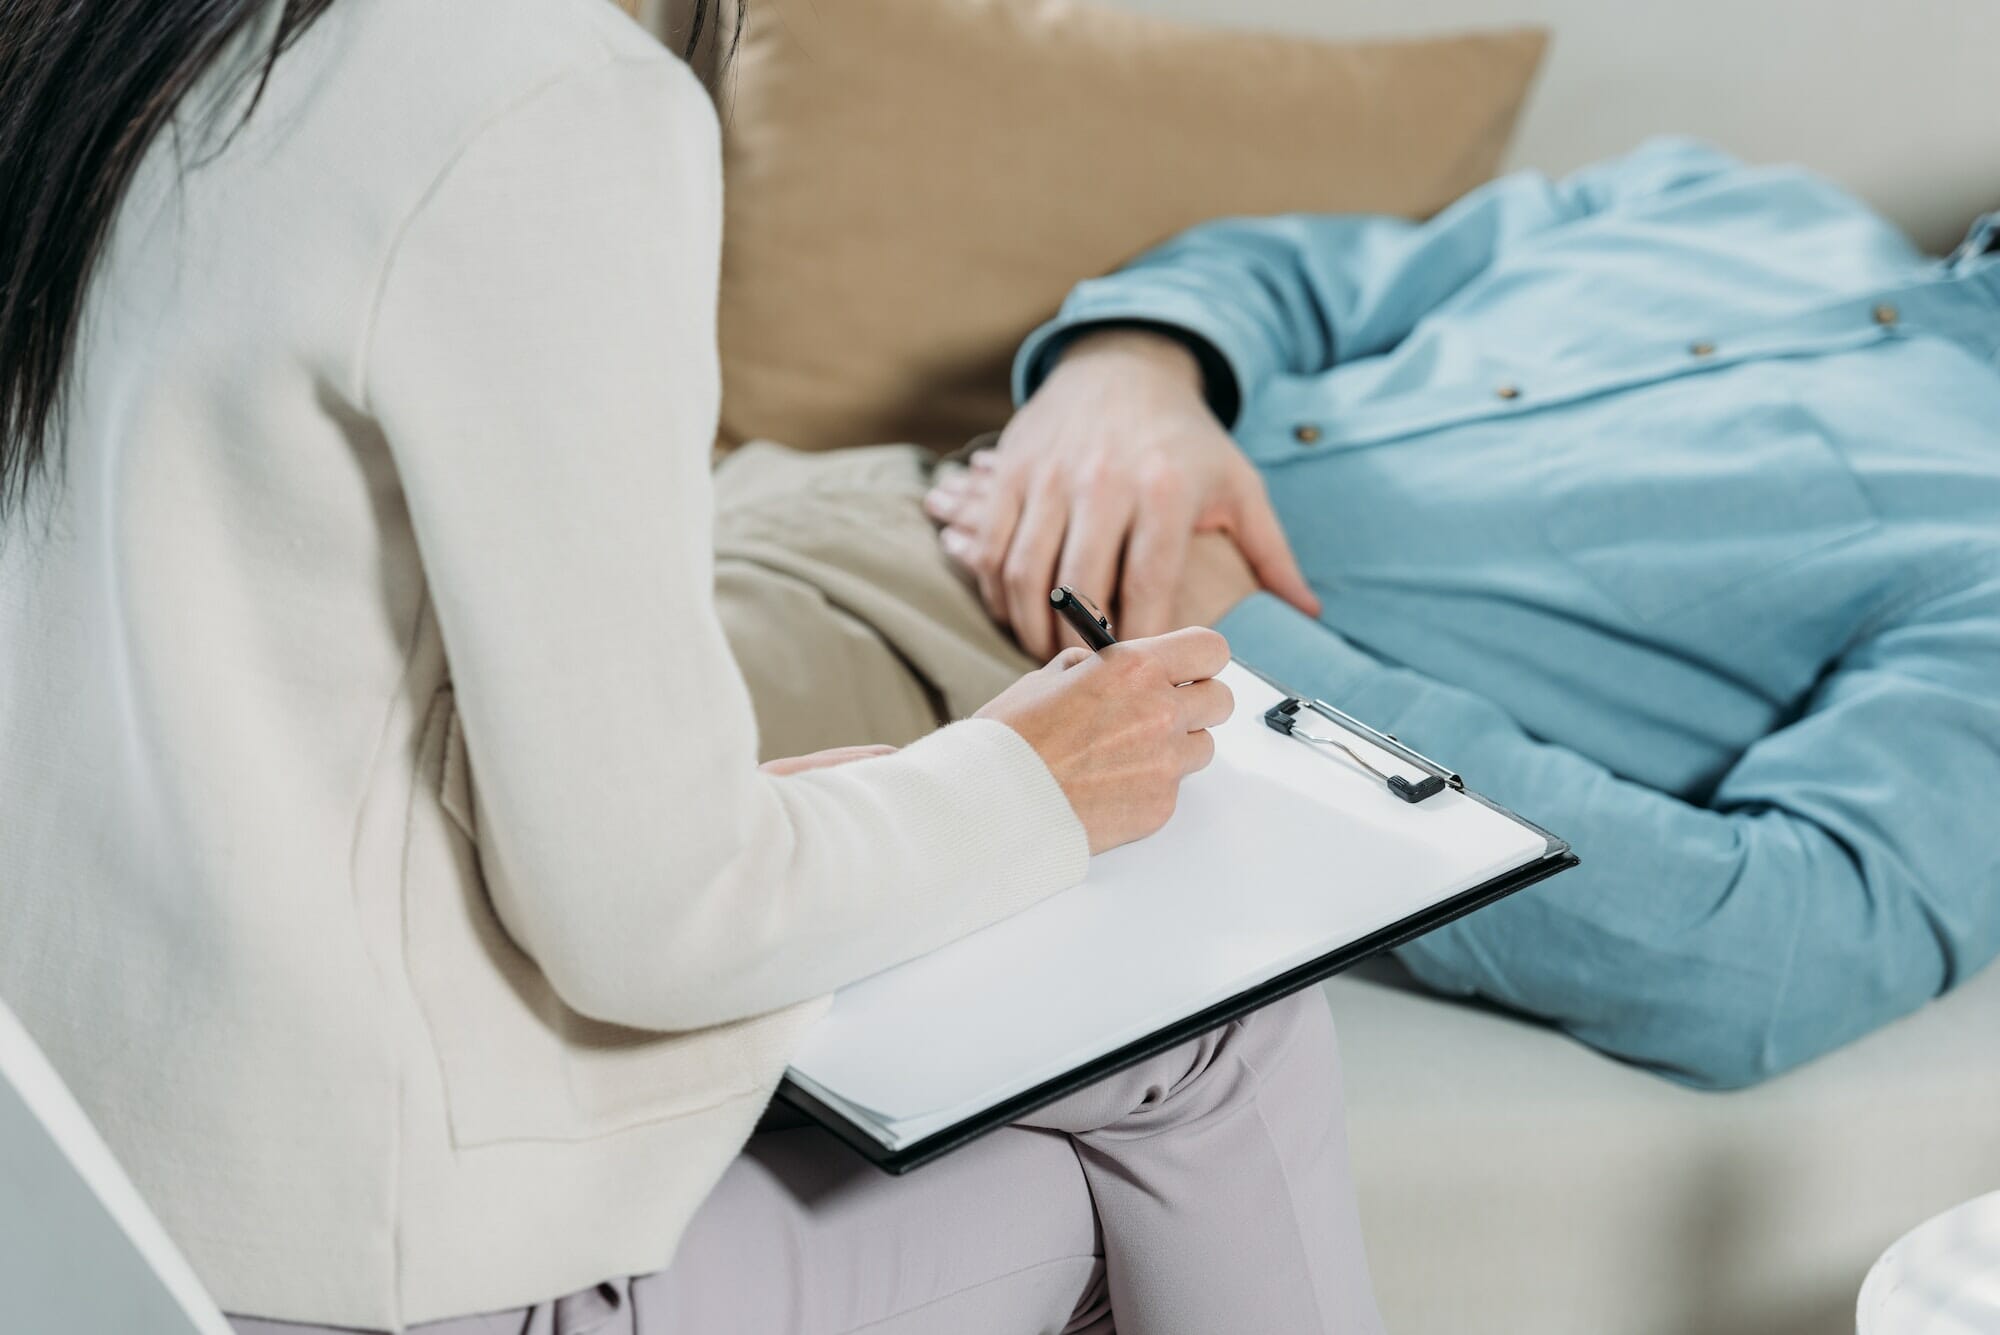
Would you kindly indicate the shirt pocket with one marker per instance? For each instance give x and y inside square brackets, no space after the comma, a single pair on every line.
[517,1063]
[1677,500]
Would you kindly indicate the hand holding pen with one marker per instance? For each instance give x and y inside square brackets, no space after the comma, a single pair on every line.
[1121,728]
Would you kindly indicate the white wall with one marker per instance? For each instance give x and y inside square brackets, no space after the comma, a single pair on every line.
[1899,99]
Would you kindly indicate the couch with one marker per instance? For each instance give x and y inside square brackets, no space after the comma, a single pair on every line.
[1513,1180]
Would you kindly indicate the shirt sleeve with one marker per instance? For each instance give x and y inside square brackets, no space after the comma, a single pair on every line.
[543,368]
[1295,295]
[1834,881]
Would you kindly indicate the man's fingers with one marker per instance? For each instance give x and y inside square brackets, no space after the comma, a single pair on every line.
[1029,569]
[1155,561]
[943,501]
[1194,654]
[1204,704]
[980,534]
[1089,564]
[1262,541]
[961,545]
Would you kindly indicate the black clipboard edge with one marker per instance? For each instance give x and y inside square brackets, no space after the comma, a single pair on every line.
[1557,858]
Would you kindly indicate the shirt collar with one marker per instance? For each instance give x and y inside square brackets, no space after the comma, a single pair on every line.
[1983,239]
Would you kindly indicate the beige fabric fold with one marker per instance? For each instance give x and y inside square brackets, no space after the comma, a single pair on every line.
[848,623]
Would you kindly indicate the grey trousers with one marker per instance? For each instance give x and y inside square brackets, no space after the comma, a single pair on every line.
[1204,1192]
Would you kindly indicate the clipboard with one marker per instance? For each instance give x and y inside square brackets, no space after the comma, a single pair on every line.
[932,984]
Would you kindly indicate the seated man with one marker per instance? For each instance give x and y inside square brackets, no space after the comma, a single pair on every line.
[1662,502]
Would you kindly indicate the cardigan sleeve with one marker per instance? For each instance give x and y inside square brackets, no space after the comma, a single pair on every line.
[542,364]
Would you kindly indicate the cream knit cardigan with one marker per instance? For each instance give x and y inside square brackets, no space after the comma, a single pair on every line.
[382,856]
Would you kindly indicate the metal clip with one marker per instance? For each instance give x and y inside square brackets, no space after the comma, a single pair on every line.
[1283,717]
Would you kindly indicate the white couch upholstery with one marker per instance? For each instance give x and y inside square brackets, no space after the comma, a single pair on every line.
[1512,1180]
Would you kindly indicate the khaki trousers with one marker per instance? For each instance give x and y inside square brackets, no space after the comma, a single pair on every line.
[847,623]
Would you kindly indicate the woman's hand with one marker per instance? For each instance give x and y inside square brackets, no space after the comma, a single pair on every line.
[1121,729]
[839,755]
[1099,482]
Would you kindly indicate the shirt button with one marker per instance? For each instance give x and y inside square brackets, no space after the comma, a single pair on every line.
[1886,314]
[1305,433]
[1702,349]
[1508,391]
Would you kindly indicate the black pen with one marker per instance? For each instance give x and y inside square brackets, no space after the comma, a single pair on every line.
[1091,625]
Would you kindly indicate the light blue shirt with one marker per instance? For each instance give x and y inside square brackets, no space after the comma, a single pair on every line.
[1663,503]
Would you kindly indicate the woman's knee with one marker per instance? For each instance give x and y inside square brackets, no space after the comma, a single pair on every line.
[1290,1050]
[1287,1046]
[1297,1028]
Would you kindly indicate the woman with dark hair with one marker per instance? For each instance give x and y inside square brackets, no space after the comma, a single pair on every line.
[384,860]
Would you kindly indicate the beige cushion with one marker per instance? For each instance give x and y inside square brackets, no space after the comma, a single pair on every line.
[912,185]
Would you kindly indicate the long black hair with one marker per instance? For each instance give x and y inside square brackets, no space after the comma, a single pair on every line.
[85,85]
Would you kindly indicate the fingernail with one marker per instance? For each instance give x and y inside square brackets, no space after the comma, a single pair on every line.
[954,541]
[939,502]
